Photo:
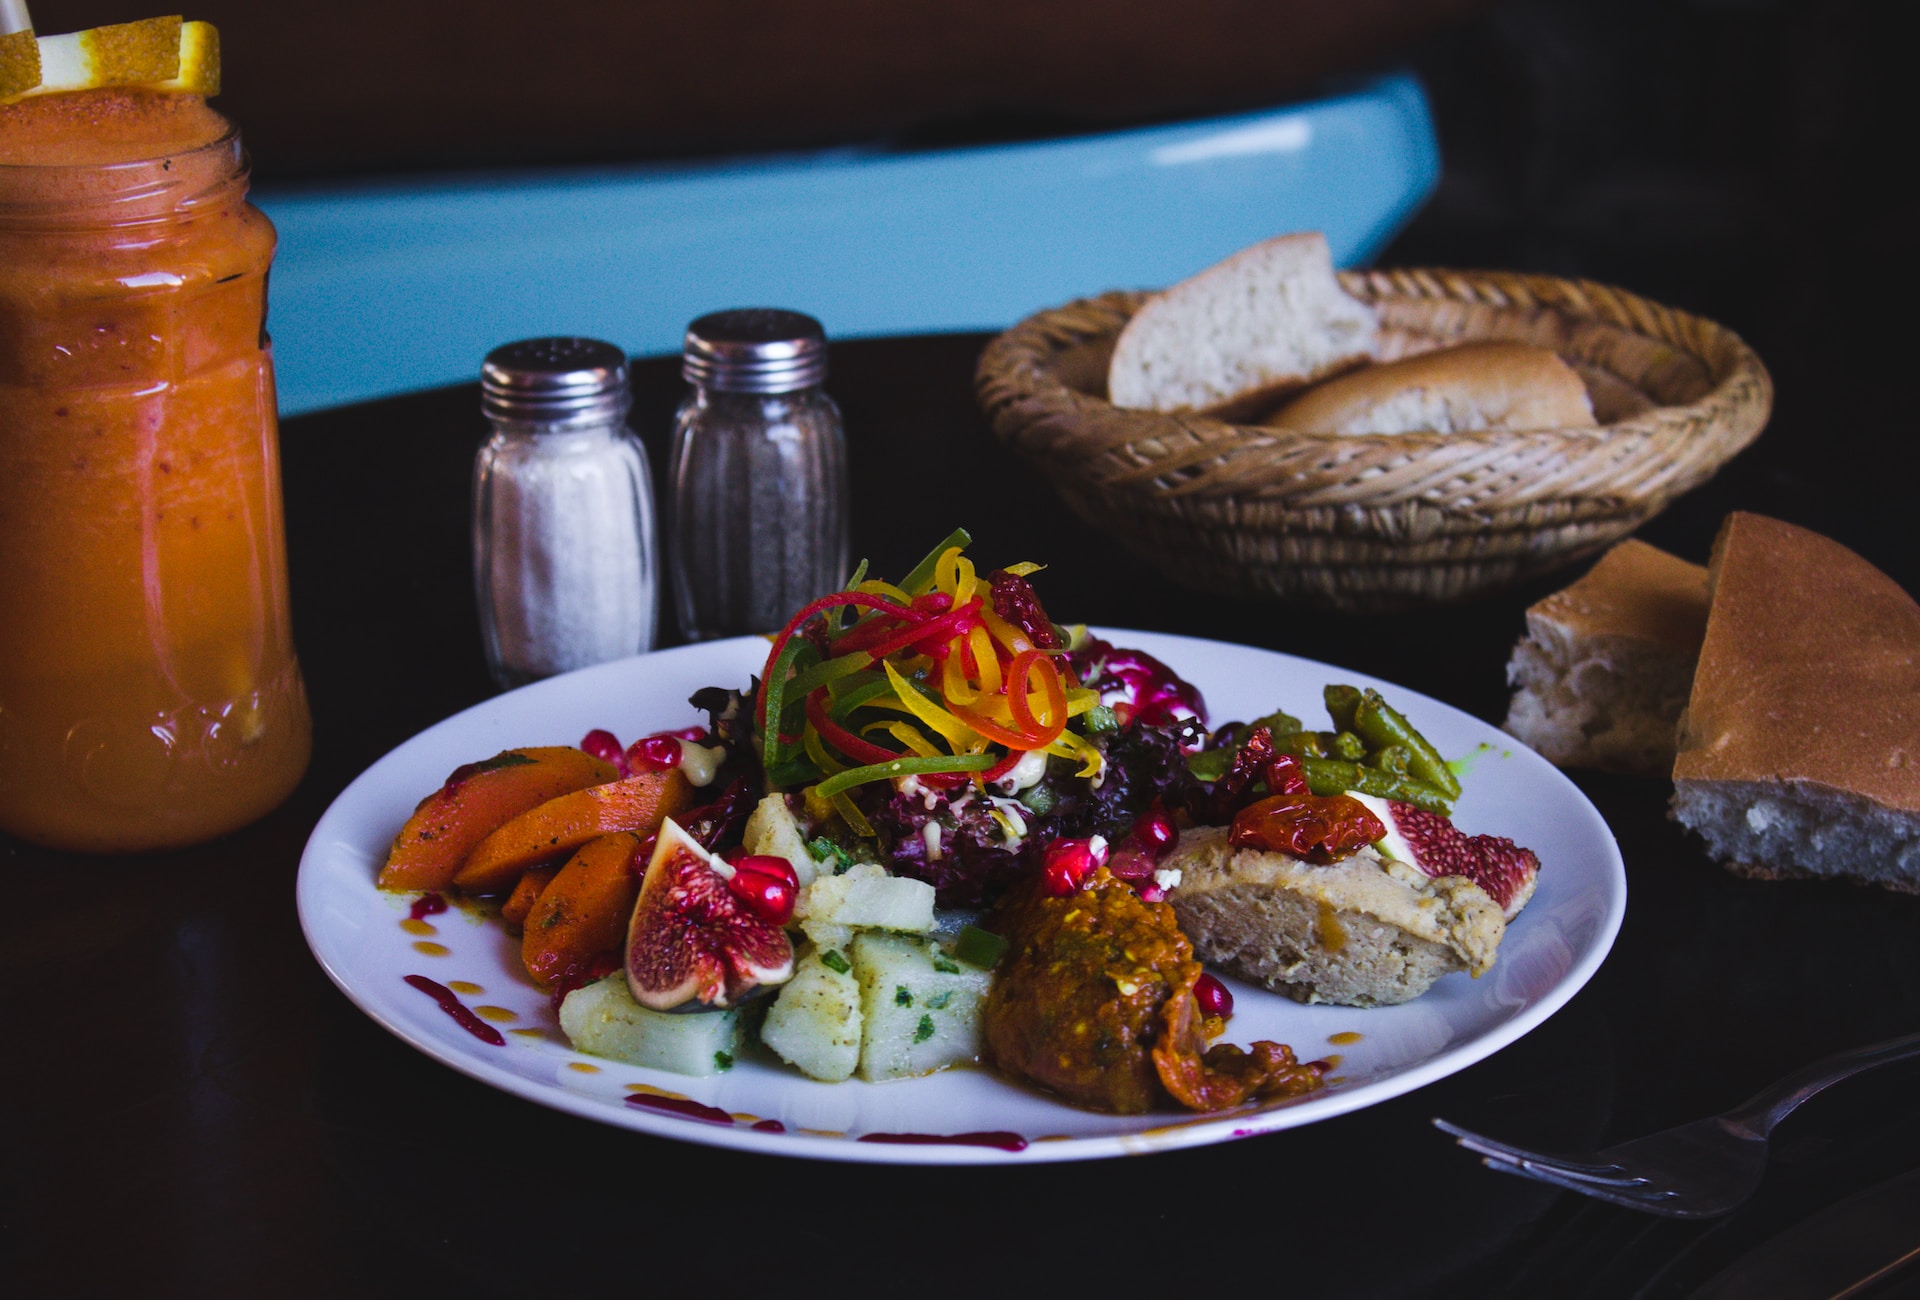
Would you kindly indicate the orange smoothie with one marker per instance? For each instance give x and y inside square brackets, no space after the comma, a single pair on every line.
[149,695]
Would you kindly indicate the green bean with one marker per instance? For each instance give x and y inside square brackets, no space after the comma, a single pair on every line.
[1327,776]
[1210,764]
[1341,702]
[1302,744]
[1380,726]
[1279,722]
[1394,759]
[1345,745]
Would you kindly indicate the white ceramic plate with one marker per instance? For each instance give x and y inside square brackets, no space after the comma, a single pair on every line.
[357,933]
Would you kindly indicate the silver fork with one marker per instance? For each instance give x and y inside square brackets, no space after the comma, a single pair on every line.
[1698,1170]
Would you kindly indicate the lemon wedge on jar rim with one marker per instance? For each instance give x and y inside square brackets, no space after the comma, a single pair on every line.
[156,53]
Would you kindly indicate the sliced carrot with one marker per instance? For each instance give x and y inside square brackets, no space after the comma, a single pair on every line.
[558,827]
[525,894]
[477,800]
[585,911]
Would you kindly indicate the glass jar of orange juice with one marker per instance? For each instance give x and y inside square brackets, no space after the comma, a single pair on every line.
[149,695]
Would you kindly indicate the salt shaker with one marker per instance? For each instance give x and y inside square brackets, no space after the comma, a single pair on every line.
[759,474]
[563,530]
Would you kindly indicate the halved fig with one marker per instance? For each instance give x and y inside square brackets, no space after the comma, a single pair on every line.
[477,800]
[691,944]
[1437,847]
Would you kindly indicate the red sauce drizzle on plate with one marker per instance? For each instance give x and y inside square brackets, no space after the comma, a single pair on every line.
[685,1107]
[473,1024]
[425,906]
[998,1141]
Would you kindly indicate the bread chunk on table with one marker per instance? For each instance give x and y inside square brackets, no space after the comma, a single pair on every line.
[1605,667]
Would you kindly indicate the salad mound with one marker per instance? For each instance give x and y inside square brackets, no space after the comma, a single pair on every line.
[938,826]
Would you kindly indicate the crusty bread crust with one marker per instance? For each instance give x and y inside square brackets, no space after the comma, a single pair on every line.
[1243,333]
[1603,673]
[1509,386]
[1637,591]
[1809,672]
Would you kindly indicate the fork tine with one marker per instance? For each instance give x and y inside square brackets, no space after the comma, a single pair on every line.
[1631,1197]
[1608,1174]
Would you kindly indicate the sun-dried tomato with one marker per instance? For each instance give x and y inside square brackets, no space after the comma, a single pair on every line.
[1310,827]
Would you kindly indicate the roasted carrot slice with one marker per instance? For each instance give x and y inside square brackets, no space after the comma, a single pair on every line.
[477,800]
[558,827]
[514,911]
[585,911]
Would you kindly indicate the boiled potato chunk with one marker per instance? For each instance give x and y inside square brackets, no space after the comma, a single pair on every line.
[919,1007]
[815,1022]
[772,830]
[604,1020]
[867,897]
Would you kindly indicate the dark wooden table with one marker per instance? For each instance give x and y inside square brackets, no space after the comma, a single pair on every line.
[187,1106]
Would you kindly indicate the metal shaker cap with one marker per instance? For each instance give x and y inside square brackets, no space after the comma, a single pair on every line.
[755,350]
[568,382]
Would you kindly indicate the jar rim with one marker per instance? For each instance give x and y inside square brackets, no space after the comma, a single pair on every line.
[140,191]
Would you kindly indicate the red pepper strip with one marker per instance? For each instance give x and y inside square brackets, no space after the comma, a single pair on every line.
[1003,767]
[998,734]
[860,751]
[1017,675]
[865,634]
[938,630]
[794,624]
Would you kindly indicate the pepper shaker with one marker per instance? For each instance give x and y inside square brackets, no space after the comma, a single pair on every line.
[760,514]
[563,528]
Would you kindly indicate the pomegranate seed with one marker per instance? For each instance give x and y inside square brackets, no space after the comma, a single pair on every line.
[1130,862]
[1213,997]
[1152,894]
[1074,858]
[605,746]
[767,896]
[1155,830]
[768,864]
[1058,880]
[654,754]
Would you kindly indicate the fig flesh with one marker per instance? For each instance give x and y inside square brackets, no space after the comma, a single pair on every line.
[1437,847]
[692,944]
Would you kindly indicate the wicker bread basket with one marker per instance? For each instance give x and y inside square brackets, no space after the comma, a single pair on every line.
[1387,521]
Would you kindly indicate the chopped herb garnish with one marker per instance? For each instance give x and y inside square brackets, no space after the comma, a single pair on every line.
[825,851]
[924,1030]
[945,965]
[978,947]
[939,1001]
[901,997]
[1101,719]
[832,960]
[723,1061]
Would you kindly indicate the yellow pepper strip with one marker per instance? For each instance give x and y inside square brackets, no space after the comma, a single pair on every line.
[954,684]
[1006,824]
[949,728]
[1025,568]
[844,806]
[908,736]
[1004,632]
[985,658]
[1080,699]
[818,753]
[818,809]
[1072,745]
[875,587]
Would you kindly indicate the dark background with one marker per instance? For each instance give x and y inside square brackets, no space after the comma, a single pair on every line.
[235,1127]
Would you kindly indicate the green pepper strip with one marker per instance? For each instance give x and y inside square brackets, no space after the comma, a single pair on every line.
[772,752]
[828,670]
[860,695]
[919,581]
[1327,776]
[1380,726]
[838,612]
[796,771]
[902,767]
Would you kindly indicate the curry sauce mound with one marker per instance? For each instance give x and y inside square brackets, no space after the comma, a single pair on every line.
[1095,1001]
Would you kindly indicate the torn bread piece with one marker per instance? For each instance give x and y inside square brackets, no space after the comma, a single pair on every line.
[1500,386]
[1239,336]
[1366,931]
[1605,667]
[1800,745]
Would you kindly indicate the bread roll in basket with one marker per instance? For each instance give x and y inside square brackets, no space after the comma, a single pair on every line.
[1387,521]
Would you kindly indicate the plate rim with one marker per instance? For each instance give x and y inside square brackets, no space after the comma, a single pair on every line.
[1179,1132]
